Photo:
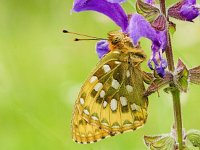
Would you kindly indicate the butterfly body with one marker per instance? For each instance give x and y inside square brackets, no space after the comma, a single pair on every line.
[111,100]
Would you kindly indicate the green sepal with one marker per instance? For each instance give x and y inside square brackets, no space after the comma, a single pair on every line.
[160,142]
[149,12]
[194,76]
[193,137]
[159,83]
[169,89]
[152,15]
[181,76]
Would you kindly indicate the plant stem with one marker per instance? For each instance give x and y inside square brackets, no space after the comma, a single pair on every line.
[175,93]
[177,117]
[168,51]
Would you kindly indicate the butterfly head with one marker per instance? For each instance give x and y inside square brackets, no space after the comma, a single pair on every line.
[119,40]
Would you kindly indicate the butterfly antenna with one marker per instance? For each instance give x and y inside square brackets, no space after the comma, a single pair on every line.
[89,37]
[77,39]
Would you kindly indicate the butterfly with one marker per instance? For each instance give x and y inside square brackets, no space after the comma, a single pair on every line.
[111,100]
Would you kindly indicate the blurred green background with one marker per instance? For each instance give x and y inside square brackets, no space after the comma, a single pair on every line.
[42,69]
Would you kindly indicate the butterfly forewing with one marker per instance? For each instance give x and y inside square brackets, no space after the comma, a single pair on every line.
[111,100]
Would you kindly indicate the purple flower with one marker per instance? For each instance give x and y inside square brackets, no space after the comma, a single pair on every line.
[116,1]
[112,10]
[102,48]
[150,1]
[136,27]
[184,10]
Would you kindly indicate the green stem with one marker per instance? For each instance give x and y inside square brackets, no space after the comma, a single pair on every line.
[176,92]
[177,117]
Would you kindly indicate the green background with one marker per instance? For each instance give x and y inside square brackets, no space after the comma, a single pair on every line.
[42,70]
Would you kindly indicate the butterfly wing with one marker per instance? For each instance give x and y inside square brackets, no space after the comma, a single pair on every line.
[111,100]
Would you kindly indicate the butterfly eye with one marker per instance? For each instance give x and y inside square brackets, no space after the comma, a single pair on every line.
[116,40]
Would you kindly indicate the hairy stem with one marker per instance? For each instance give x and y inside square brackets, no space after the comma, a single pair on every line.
[177,116]
[168,51]
[176,92]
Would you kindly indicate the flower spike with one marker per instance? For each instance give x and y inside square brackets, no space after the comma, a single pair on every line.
[139,28]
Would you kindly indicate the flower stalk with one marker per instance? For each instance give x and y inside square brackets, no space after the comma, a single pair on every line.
[175,93]
[178,117]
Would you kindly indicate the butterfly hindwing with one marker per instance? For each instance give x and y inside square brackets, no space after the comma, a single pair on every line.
[83,132]
[111,100]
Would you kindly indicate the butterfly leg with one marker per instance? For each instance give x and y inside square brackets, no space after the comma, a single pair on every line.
[158,83]
[147,77]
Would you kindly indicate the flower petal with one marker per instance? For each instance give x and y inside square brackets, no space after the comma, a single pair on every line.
[161,68]
[102,48]
[160,64]
[116,1]
[139,27]
[189,12]
[190,1]
[150,1]
[112,10]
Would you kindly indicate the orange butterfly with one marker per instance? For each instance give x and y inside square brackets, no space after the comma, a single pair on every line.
[111,100]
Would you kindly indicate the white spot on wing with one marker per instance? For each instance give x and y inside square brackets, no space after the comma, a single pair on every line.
[129,88]
[86,111]
[98,86]
[115,84]
[93,79]
[102,94]
[116,52]
[128,73]
[94,118]
[99,140]
[135,107]
[117,62]
[123,101]
[113,104]
[115,126]
[82,101]
[105,104]
[106,68]
[127,131]
[105,124]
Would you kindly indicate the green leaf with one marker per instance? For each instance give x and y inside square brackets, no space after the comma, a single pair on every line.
[193,136]
[181,76]
[189,146]
[160,142]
